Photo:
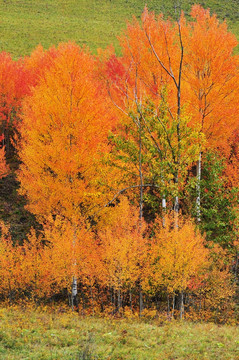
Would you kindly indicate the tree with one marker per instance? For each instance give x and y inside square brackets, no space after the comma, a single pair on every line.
[68,252]
[211,82]
[211,76]
[60,154]
[158,149]
[218,201]
[177,255]
[13,87]
[123,250]
[231,155]
[175,64]
[146,85]
[9,265]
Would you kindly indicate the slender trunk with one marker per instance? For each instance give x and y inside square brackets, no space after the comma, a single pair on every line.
[173,307]
[119,300]
[181,306]
[198,188]
[115,305]
[177,81]
[99,296]
[130,299]
[164,205]
[74,302]
[74,292]
[236,266]
[10,292]
[157,303]
[178,86]
[168,304]
[112,300]
[141,303]
[176,211]
[176,204]
[92,300]
[164,208]
[111,295]
[140,174]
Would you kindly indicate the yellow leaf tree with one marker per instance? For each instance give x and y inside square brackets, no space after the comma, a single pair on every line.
[123,250]
[176,256]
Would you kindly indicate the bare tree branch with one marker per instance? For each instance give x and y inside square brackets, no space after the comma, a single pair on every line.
[158,59]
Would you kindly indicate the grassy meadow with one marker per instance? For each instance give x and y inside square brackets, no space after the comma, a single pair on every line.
[27,334]
[96,23]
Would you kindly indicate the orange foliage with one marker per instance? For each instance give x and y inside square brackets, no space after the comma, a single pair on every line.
[13,86]
[10,258]
[232,159]
[211,75]
[44,266]
[71,251]
[21,267]
[152,60]
[214,298]
[40,61]
[177,256]
[61,153]
[3,165]
[122,248]
[187,73]
[63,138]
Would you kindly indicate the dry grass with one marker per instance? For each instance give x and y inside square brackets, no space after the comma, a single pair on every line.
[44,334]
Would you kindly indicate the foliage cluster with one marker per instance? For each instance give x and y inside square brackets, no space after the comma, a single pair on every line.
[130,165]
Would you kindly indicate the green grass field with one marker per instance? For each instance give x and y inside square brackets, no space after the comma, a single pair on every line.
[26,23]
[45,335]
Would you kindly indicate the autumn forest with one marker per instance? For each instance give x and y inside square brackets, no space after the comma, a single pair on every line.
[129,167]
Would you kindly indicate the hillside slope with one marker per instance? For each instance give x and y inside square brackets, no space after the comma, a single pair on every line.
[96,23]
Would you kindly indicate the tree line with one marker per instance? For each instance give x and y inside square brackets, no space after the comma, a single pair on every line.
[130,165]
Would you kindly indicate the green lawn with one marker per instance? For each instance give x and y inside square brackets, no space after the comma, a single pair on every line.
[28,334]
[26,23]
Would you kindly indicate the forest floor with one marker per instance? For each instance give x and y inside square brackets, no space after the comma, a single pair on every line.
[43,334]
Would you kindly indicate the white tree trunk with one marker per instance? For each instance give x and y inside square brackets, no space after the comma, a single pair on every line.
[176,211]
[164,207]
[74,292]
[74,278]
